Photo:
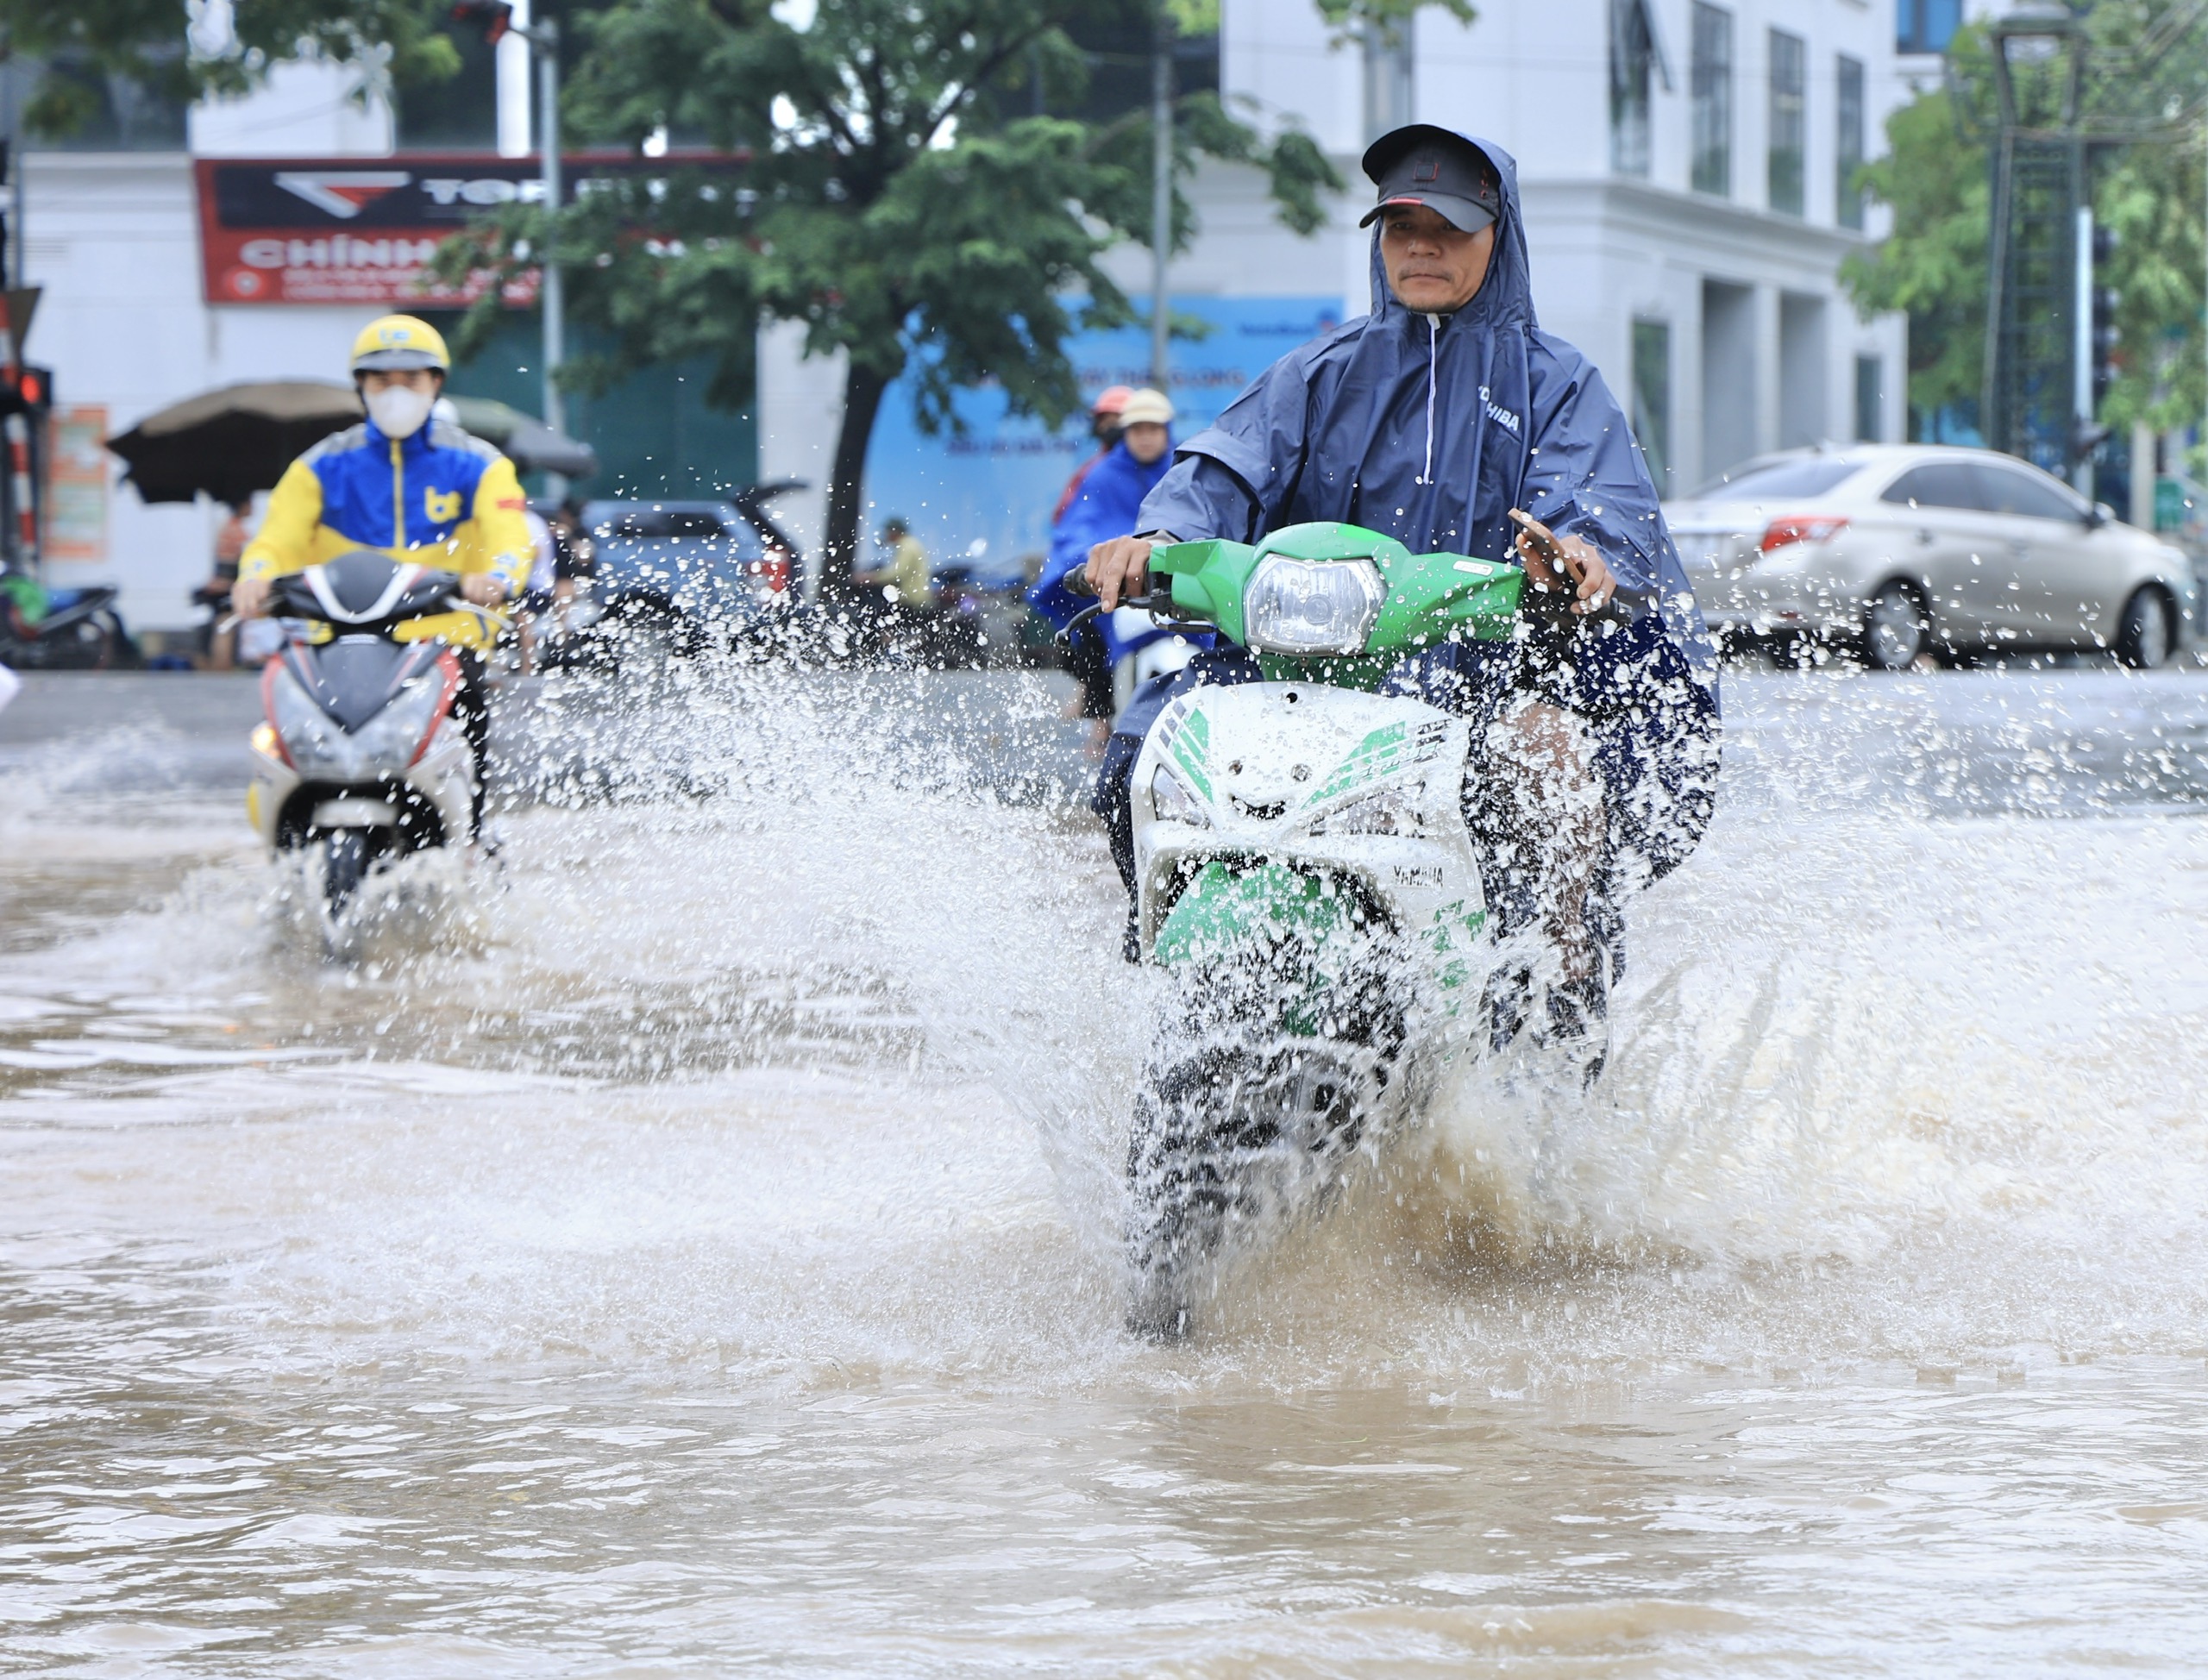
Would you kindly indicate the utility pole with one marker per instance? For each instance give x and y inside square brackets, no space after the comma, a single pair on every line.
[12,267]
[1161,190]
[544,38]
[498,20]
[2081,353]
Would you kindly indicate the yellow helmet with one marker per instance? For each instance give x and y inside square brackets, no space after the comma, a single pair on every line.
[400,341]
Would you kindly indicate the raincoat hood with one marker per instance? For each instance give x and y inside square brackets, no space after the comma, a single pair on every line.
[1505,296]
[1432,428]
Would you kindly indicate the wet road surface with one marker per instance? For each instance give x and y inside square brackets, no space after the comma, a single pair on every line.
[685,1245]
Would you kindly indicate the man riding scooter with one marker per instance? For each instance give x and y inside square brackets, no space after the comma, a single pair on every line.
[416,489]
[1448,419]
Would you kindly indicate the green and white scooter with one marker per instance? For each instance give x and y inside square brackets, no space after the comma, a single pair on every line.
[1303,866]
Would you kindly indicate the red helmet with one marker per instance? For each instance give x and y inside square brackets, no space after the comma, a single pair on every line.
[1113,400]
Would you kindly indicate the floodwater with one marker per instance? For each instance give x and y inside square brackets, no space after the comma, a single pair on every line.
[684,1248]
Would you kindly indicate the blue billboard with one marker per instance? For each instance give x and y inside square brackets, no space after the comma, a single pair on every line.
[988,495]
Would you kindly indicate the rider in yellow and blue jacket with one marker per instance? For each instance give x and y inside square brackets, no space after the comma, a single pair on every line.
[414,488]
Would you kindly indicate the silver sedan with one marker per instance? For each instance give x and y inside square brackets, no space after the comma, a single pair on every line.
[1901,551]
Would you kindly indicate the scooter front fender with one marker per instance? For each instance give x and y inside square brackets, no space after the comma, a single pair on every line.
[1224,910]
[1299,928]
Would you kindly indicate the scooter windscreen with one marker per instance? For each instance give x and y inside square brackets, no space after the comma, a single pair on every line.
[363,591]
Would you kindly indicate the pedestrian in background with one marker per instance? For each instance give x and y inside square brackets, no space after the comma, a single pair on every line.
[1085,657]
[218,636]
[1109,498]
[904,577]
[1104,423]
[539,588]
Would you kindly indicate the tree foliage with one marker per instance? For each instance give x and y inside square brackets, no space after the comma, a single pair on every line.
[231,46]
[1934,263]
[897,201]
[2146,65]
[1349,18]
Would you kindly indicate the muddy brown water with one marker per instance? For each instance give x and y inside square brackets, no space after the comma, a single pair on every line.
[684,1247]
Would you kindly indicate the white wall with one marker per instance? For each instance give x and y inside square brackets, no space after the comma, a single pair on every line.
[800,410]
[309,111]
[113,241]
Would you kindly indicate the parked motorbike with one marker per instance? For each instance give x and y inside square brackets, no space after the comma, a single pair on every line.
[360,761]
[1304,868]
[62,630]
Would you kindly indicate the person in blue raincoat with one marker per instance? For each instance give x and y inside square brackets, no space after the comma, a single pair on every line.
[1106,504]
[1448,419]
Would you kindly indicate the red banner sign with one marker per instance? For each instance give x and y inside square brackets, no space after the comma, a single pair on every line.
[364,230]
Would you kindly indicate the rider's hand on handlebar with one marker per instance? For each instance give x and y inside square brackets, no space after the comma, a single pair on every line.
[248,596]
[1558,563]
[483,589]
[1118,569]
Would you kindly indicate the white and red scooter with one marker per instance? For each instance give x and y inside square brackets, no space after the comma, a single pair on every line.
[360,760]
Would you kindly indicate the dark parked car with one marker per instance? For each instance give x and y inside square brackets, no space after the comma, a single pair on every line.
[684,575]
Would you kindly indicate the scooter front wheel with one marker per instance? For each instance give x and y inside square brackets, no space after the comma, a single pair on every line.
[345,860]
[1232,1145]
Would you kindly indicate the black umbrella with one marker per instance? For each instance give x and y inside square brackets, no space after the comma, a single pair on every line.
[230,443]
[532,446]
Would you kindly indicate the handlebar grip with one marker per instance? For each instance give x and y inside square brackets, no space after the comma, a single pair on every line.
[1076,582]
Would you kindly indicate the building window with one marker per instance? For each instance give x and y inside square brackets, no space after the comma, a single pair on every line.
[1788,135]
[1712,85]
[1633,56]
[1870,400]
[1652,398]
[1847,155]
[1925,26]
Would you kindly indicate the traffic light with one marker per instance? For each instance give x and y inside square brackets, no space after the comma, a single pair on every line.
[25,390]
[2107,339]
[496,17]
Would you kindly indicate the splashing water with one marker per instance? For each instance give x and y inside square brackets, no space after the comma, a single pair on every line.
[701,1246]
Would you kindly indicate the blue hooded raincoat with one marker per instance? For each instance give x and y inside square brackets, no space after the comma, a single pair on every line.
[1431,429]
[1108,504]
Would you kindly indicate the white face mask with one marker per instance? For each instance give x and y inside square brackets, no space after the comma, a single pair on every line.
[398,410]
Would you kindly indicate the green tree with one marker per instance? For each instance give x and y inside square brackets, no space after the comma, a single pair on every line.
[1349,18]
[2145,66]
[146,41]
[1934,263]
[899,201]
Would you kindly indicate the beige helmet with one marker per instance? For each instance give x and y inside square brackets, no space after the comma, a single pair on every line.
[1146,406]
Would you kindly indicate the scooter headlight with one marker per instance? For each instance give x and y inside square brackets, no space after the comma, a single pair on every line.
[1174,803]
[317,746]
[1398,811]
[1312,607]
